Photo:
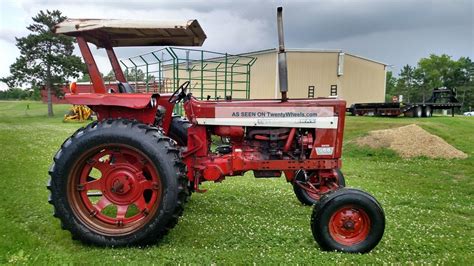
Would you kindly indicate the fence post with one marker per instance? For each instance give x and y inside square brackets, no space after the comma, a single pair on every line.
[247,82]
[126,70]
[252,61]
[232,77]
[202,75]
[215,83]
[159,71]
[225,76]
[146,74]
[173,54]
[136,74]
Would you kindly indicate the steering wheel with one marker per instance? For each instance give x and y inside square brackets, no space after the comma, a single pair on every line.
[180,93]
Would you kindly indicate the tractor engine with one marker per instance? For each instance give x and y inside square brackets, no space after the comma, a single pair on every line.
[260,143]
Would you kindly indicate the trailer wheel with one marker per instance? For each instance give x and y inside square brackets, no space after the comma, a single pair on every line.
[418,111]
[118,183]
[348,220]
[427,111]
[310,191]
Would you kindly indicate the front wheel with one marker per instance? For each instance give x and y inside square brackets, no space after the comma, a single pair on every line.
[348,220]
[118,183]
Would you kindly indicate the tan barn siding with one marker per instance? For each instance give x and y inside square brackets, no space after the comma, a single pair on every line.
[311,69]
[363,81]
[263,76]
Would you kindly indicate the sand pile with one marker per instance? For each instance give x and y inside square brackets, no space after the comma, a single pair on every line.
[411,141]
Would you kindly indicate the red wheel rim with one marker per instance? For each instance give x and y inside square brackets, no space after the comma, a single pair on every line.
[349,225]
[114,189]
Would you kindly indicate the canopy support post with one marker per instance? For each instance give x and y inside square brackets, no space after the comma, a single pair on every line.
[97,81]
[115,64]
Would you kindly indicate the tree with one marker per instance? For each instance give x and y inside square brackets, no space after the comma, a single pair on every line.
[465,89]
[20,94]
[45,58]
[442,71]
[87,78]
[110,77]
[131,76]
[406,84]
[416,83]
[136,75]
[434,72]
[390,86]
[84,78]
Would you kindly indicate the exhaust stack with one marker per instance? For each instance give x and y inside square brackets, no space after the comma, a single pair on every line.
[282,67]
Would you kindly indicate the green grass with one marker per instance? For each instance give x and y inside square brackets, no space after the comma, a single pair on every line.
[428,204]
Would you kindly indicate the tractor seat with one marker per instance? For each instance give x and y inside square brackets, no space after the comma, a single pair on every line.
[125,88]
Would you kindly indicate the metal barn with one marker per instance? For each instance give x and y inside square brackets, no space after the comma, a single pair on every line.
[319,73]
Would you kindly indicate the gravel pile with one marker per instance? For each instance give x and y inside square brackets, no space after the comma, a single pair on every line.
[411,141]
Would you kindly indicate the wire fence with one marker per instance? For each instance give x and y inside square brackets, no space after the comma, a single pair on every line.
[211,75]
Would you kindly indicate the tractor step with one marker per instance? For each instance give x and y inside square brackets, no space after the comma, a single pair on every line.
[267,173]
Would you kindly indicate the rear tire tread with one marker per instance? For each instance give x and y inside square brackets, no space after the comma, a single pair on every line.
[171,151]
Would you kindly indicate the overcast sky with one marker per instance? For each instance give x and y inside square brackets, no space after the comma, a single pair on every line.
[394,32]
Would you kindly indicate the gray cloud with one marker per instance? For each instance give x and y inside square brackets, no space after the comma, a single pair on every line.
[396,32]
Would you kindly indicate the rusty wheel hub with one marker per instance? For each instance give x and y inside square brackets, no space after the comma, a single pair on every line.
[124,185]
[126,182]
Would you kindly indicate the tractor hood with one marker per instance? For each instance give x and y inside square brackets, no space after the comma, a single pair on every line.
[118,32]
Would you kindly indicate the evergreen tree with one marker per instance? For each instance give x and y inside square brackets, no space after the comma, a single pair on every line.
[406,84]
[45,58]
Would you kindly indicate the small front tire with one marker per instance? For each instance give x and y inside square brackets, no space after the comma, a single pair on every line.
[348,220]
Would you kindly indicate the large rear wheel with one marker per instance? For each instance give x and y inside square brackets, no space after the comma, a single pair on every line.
[310,186]
[118,183]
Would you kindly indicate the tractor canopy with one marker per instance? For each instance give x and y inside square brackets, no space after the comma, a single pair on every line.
[122,100]
[118,32]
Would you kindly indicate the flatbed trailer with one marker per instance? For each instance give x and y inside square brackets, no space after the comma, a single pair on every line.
[441,99]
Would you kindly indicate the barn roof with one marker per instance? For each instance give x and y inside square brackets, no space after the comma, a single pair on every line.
[120,32]
[311,50]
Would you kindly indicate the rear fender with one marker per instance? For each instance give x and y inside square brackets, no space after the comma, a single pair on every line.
[141,107]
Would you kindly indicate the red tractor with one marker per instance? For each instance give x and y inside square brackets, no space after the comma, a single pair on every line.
[124,179]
